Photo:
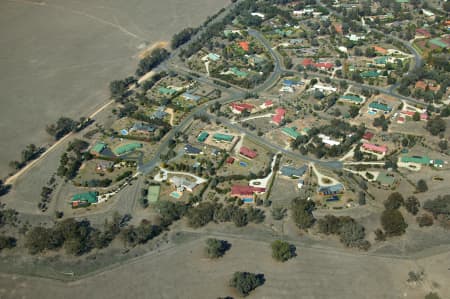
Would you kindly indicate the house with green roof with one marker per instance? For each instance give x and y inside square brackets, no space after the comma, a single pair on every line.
[370,74]
[98,148]
[219,137]
[239,73]
[352,99]
[381,61]
[127,148]
[439,43]
[386,179]
[291,132]
[84,199]
[203,136]
[167,91]
[378,106]
[413,162]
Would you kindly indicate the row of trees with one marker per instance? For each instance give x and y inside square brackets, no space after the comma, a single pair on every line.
[30,153]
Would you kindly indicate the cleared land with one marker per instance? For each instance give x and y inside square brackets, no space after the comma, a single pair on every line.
[181,272]
[57,57]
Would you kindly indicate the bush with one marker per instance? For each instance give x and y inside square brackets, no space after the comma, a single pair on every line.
[282,251]
[216,248]
[422,186]
[393,222]
[278,213]
[245,282]
[432,296]
[424,220]
[7,242]
[438,206]
[302,213]
[412,205]
[394,201]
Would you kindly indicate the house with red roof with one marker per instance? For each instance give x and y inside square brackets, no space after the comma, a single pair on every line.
[422,33]
[324,65]
[368,136]
[267,104]
[380,50]
[374,148]
[238,108]
[230,160]
[405,113]
[307,62]
[246,191]
[279,116]
[245,46]
[248,153]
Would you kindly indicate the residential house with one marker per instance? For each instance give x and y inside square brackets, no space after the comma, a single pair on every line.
[203,136]
[330,190]
[98,148]
[422,33]
[167,91]
[293,172]
[244,45]
[219,137]
[352,99]
[238,108]
[328,141]
[368,136]
[141,128]
[243,191]
[248,153]
[374,148]
[267,104]
[183,184]
[192,150]
[103,166]
[407,113]
[380,50]
[380,107]
[84,199]
[279,116]
[291,132]
[386,179]
[160,113]
[190,97]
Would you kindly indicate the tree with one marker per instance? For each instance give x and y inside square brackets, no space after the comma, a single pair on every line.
[432,295]
[216,248]
[422,186]
[7,242]
[282,251]
[302,213]
[393,222]
[245,282]
[436,125]
[182,37]
[4,188]
[424,220]
[412,205]
[439,206]
[416,116]
[240,218]
[278,213]
[394,201]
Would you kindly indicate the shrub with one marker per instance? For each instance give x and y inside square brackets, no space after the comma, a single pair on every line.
[393,222]
[245,282]
[424,220]
[282,251]
[216,248]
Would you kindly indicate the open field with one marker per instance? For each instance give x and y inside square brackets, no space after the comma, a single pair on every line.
[58,57]
[184,272]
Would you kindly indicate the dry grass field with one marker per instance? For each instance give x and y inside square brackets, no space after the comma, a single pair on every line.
[58,57]
[184,272]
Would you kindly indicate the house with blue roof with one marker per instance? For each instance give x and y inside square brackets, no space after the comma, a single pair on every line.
[293,172]
[331,190]
[191,97]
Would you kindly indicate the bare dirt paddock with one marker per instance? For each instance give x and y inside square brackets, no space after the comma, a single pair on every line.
[58,56]
[183,272]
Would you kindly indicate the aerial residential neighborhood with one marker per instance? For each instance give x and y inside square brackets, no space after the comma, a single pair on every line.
[270,149]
